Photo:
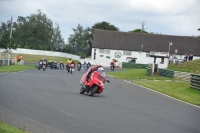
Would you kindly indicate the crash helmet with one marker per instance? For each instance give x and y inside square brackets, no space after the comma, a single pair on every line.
[100,69]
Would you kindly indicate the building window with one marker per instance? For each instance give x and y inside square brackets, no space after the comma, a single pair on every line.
[107,51]
[147,54]
[104,51]
[101,51]
[128,53]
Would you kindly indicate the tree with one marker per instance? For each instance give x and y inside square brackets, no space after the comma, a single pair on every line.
[80,42]
[104,26]
[138,31]
[35,32]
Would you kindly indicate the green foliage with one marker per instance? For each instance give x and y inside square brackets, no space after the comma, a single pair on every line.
[34,32]
[80,42]
[104,26]
[138,31]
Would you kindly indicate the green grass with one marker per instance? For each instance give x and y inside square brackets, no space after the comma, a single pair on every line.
[174,88]
[37,58]
[189,66]
[131,73]
[5,128]
[16,68]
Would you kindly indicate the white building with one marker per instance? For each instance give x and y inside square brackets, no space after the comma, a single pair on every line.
[141,48]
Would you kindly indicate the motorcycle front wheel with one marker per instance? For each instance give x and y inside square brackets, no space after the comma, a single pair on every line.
[93,91]
[82,90]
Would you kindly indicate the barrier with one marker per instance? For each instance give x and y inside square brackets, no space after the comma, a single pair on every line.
[133,65]
[149,71]
[195,81]
[166,73]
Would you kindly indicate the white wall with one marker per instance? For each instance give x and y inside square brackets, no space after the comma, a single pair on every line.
[47,53]
[141,58]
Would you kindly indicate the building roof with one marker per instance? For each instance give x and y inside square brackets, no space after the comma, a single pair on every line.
[129,41]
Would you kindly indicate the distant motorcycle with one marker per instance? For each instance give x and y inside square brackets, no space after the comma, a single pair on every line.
[44,66]
[61,66]
[78,67]
[112,67]
[40,65]
[68,68]
[72,66]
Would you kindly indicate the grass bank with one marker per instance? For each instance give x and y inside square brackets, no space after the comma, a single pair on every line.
[136,74]
[16,68]
[169,86]
[188,66]
[37,58]
[5,128]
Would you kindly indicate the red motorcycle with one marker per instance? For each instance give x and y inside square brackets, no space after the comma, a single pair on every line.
[95,83]
[72,68]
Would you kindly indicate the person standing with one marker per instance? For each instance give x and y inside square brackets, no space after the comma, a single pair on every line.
[85,66]
[19,58]
[185,57]
[170,59]
[191,57]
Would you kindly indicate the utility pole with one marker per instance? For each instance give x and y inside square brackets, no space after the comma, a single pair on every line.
[9,51]
[143,24]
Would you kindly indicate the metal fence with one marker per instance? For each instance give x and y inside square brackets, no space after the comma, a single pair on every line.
[6,60]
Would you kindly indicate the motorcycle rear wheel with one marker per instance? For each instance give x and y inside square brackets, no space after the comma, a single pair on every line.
[93,91]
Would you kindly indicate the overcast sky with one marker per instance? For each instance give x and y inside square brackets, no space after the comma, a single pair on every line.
[171,17]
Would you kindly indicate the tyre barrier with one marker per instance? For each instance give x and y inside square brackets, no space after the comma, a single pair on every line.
[195,81]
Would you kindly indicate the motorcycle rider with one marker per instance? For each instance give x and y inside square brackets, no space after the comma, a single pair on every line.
[113,64]
[44,62]
[61,65]
[72,64]
[79,63]
[88,65]
[95,68]
[67,63]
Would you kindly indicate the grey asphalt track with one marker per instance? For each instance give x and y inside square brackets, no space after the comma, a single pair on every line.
[49,102]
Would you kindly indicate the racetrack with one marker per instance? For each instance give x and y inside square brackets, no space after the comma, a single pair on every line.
[49,101]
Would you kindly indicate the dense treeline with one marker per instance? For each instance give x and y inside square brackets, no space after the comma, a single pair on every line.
[80,42]
[32,32]
[39,32]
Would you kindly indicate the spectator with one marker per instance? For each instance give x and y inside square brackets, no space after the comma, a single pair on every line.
[191,57]
[188,57]
[88,65]
[185,57]
[19,58]
[170,59]
[85,65]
